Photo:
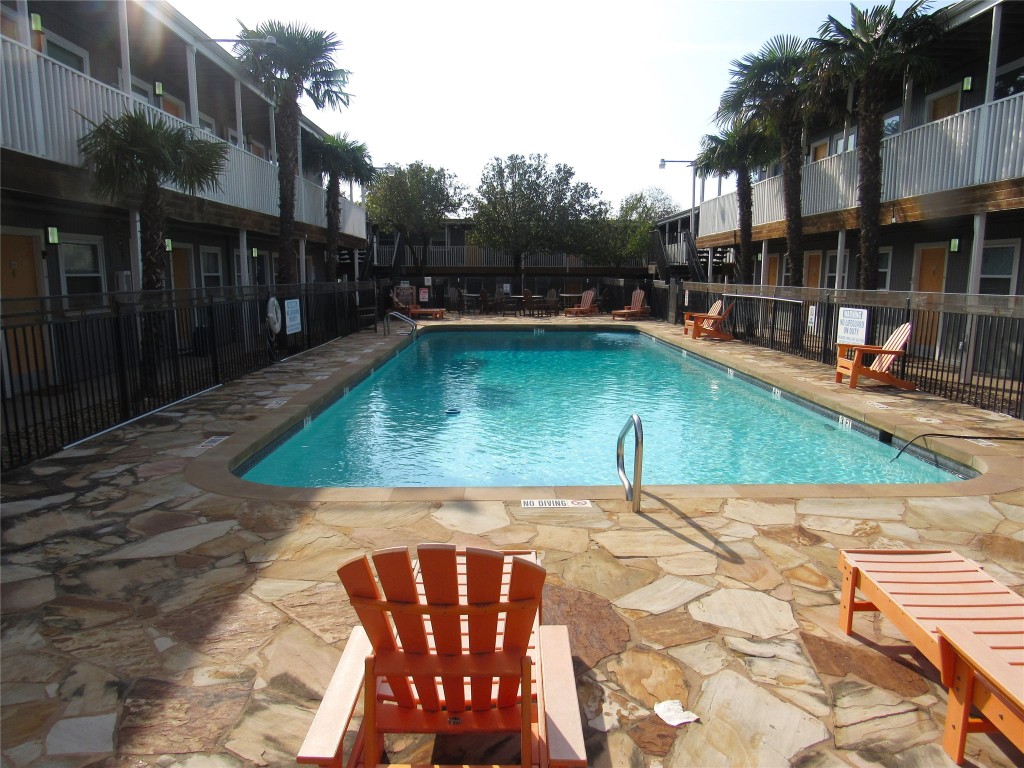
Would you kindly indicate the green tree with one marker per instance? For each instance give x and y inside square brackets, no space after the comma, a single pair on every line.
[738,148]
[338,158]
[772,88]
[131,159]
[878,46]
[524,207]
[299,62]
[626,235]
[414,202]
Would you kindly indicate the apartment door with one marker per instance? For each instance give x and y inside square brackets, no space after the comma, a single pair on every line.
[24,351]
[181,274]
[773,270]
[929,277]
[812,270]
[944,106]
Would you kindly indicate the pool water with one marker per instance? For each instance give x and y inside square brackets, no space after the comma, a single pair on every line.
[524,408]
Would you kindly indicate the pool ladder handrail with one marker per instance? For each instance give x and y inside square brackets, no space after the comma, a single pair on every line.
[632,489]
[403,318]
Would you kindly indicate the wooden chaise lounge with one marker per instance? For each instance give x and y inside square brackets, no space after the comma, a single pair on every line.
[962,620]
[449,643]
[637,307]
[850,360]
[710,323]
[585,307]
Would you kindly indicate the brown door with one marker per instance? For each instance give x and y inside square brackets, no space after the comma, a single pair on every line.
[24,350]
[944,106]
[773,270]
[812,270]
[931,278]
[819,152]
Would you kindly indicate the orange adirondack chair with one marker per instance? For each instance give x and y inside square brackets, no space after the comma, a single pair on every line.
[964,622]
[636,307]
[450,644]
[586,305]
[885,355]
[709,323]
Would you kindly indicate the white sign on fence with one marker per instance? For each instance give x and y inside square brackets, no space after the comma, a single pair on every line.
[811,315]
[292,316]
[853,326]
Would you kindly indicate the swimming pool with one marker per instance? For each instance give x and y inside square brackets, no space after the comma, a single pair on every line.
[519,408]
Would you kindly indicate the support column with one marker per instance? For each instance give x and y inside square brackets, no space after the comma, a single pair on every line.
[193,88]
[135,247]
[243,256]
[841,262]
[126,59]
[977,249]
[302,259]
[764,262]
[238,114]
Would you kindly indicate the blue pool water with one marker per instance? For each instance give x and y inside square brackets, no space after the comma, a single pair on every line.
[546,409]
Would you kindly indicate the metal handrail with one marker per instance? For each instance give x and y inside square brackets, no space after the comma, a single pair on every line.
[400,316]
[632,489]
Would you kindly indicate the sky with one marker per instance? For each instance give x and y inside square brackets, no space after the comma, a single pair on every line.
[606,88]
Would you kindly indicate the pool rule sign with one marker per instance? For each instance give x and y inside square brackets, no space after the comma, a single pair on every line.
[853,326]
[292,316]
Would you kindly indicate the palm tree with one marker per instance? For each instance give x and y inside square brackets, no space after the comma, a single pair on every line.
[338,157]
[879,45]
[299,61]
[738,148]
[131,159]
[771,87]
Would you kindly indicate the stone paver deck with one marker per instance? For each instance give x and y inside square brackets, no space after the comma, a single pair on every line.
[158,611]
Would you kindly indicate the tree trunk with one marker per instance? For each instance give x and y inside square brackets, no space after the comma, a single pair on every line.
[869,167]
[745,200]
[287,126]
[333,226]
[792,160]
[151,226]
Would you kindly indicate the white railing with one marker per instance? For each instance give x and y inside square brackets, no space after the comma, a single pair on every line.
[675,253]
[46,107]
[978,146]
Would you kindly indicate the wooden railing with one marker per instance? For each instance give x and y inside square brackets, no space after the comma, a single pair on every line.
[977,146]
[46,107]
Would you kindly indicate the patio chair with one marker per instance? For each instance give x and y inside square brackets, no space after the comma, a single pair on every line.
[885,355]
[551,301]
[962,620]
[710,323]
[450,644]
[585,307]
[636,307]
[533,306]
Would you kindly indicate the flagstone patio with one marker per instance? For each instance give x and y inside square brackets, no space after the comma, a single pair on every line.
[157,611]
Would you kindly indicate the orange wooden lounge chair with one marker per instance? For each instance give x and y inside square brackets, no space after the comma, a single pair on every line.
[586,305]
[964,622]
[434,313]
[710,323]
[450,644]
[879,368]
[636,307]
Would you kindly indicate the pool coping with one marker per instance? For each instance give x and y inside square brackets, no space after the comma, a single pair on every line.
[1000,466]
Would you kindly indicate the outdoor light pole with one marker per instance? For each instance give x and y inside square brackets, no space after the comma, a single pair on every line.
[693,200]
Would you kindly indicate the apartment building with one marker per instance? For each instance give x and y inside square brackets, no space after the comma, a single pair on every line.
[68,65]
[953,187]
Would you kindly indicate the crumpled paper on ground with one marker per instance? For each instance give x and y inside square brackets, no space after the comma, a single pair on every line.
[672,712]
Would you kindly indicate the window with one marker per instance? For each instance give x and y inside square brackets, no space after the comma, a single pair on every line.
[891,123]
[884,264]
[67,53]
[210,258]
[81,265]
[1010,79]
[841,146]
[998,268]
[207,123]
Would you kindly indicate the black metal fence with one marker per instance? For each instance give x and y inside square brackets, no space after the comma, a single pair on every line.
[965,348]
[73,367]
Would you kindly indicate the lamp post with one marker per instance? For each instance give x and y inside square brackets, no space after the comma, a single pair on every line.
[693,201]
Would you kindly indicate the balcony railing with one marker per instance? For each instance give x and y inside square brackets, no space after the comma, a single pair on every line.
[471,256]
[46,107]
[977,146]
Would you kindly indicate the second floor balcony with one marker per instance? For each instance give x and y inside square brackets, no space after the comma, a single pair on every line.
[979,146]
[46,107]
